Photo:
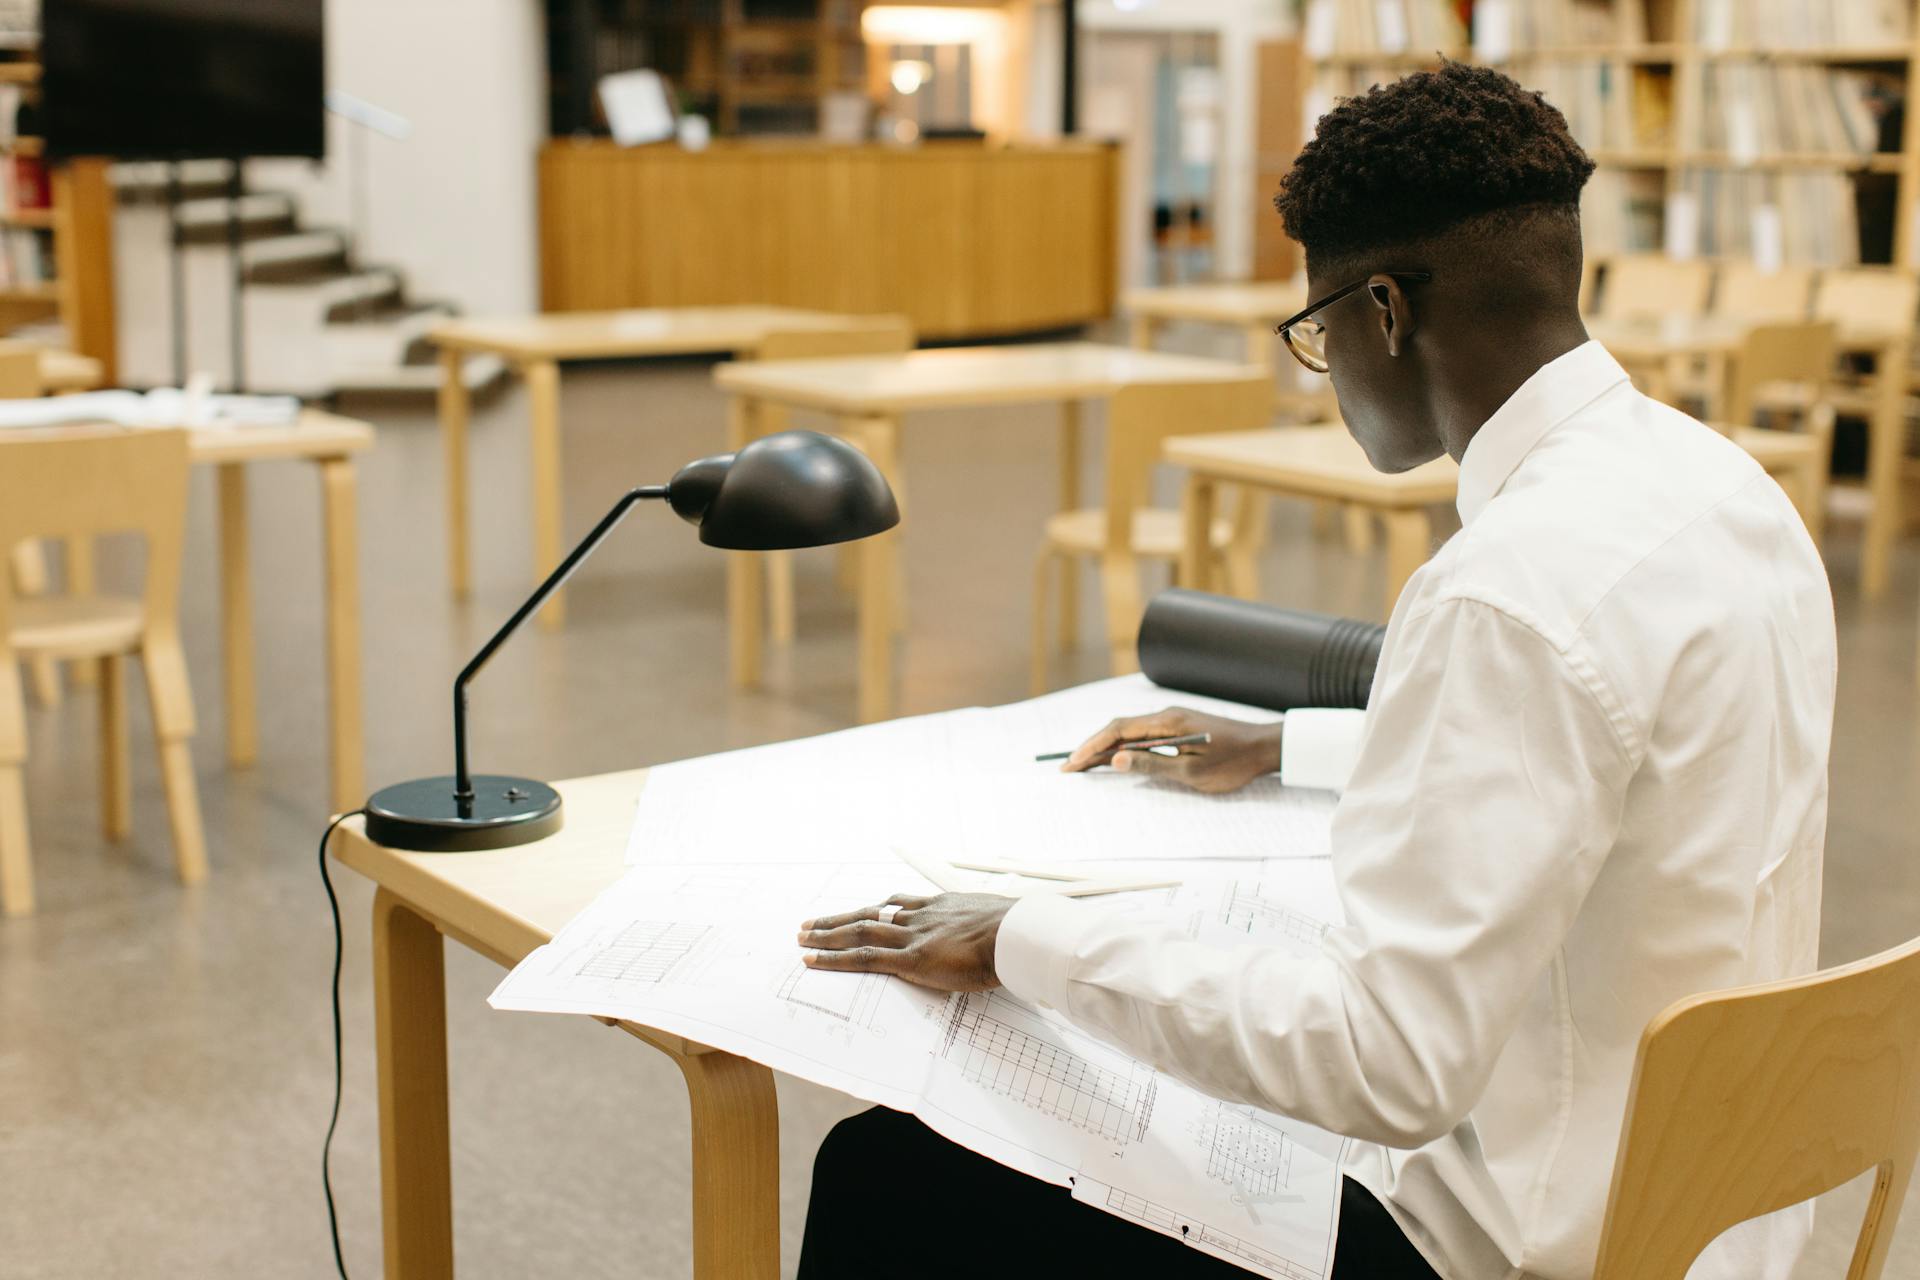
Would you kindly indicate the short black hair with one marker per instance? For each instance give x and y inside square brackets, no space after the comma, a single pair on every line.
[1411,160]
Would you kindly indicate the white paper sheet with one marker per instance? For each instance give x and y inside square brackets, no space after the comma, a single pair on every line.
[708,951]
[964,784]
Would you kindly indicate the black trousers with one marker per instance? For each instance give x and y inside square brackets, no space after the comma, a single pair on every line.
[893,1198]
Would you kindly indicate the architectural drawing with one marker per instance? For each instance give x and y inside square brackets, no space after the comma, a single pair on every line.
[995,1044]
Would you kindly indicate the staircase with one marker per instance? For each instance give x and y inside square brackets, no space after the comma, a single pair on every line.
[317,322]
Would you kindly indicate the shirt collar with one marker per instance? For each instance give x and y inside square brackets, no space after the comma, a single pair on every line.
[1557,391]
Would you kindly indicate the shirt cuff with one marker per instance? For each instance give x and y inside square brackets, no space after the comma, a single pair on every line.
[1318,746]
[1038,940]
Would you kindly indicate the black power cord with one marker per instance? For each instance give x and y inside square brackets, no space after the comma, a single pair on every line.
[326,1148]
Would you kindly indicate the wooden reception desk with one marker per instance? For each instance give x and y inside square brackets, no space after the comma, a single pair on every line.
[966,239]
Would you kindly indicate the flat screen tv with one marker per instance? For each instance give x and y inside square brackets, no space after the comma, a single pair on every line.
[182,79]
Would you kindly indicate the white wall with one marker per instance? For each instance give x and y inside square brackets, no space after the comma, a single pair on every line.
[454,205]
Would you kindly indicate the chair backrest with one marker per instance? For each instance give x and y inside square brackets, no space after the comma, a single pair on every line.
[83,482]
[1745,291]
[1142,417]
[1881,299]
[1650,284]
[1772,353]
[860,336]
[1748,1101]
[20,371]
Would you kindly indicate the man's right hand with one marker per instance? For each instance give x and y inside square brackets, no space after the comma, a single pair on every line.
[1238,753]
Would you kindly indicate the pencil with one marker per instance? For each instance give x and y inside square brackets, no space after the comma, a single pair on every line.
[1143,744]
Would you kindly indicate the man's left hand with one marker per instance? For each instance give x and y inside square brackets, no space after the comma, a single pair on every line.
[945,943]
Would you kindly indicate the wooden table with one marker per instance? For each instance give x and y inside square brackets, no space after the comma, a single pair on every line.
[329,443]
[1717,341]
[1320,462]
[869,395]
[503,904]
[1254,308]
[537,345]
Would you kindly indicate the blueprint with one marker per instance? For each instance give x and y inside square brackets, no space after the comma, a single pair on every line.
[964,784]
[707,950]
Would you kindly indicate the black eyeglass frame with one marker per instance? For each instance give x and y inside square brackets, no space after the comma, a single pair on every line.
[1285,329]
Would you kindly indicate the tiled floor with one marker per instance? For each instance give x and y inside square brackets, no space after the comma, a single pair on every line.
[164,1061]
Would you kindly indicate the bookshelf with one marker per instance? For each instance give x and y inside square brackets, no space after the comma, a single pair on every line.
[749,66]
[56,230]
[1721,128]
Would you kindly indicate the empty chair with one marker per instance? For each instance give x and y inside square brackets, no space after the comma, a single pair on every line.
[82,484]
[860,336]
[1126,530]
[1746,292]
[1647,284]
[1784,370]
[1747,1101]
[20,380]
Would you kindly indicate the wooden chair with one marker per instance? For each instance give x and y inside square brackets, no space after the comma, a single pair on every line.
[82,484]
[1126,530]
[862,336]
[1747,1101]
[20,380]
[1748,293]
[1650,284]
[1785,369]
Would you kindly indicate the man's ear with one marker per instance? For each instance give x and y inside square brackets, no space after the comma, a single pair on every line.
[1394,311]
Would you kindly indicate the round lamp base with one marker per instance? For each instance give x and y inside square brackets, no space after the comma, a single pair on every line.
[423,815]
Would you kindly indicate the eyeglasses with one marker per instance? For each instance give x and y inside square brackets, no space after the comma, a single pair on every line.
[1307,337]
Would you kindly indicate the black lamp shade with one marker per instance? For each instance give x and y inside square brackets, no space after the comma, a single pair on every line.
[793,489]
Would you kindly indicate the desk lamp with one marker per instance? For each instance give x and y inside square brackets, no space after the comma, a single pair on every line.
[790,490]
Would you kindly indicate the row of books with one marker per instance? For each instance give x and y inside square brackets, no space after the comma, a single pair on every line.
[1749,110]
[26,258]
[1810,219]
[1800,24]
[1606,108]
[1503,29]
[1330,27]
[1807,218]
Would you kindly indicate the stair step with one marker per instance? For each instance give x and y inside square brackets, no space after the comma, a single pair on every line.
[478,372]
[336,295]
[203,220]
[301,257]
[145,182]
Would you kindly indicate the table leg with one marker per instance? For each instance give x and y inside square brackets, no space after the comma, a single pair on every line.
[410,1025]
[453,439]
[236,618]
[81,581]
[1070,465]
[736,1167]
[345,703]
[746,599]
[543,394]
[30,579]
[1143,331]
[1885,440]
[879,580]
[1409,543]
[1197,512]
[1358,523]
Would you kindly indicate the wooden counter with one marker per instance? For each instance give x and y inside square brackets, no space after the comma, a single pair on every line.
[967,240]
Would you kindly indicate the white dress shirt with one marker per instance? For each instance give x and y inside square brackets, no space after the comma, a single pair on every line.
[1592,779]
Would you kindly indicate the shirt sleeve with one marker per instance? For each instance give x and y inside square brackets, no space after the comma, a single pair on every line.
[1486,793]
[1318,747]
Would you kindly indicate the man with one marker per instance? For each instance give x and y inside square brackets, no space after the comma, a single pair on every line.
[1591,780]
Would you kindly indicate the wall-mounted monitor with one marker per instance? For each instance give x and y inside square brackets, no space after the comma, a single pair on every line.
[179,79]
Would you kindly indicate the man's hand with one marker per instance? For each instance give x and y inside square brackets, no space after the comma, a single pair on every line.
[1238,754]
[945,943]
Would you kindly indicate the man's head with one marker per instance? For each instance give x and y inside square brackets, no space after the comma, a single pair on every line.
[1460,173]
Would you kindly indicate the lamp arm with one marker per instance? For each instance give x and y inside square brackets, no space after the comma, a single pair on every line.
[463,781]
